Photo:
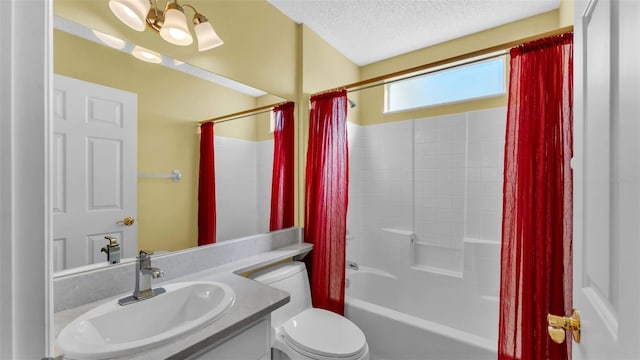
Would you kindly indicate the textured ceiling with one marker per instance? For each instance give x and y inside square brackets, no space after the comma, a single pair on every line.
[366,31]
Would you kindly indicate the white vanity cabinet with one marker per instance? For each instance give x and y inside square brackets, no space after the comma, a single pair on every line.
[251,342]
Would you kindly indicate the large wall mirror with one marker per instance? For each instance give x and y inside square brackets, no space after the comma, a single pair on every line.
[171,100]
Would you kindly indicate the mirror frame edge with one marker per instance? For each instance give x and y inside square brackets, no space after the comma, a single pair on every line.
[26,309]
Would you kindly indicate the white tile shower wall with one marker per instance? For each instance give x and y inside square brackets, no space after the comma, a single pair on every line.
[453,194]
[356,188]
[388,175]
[387,184]
[451,178]
[236,188]
[264,176]
[440,174]
[484,173]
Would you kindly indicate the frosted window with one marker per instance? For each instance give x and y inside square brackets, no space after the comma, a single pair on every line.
[478,80]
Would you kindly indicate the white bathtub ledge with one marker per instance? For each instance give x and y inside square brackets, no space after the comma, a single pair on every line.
[436,328]
[408,233]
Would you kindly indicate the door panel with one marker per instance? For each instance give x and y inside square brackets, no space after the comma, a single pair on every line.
[94,171]
[59,191]
[597,276]
[606,178]
[104,174]
[104,112]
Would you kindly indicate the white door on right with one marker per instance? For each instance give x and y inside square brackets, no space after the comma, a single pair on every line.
[607,178]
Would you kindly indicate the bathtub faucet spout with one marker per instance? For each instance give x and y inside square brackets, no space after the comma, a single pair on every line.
[352,265]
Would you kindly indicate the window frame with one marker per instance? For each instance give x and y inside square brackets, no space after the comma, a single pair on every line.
[449,67]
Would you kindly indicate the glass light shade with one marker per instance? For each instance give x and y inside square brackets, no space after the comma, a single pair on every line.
[110,40]
[146,55]
[207,37]
[175,29]
[131,12]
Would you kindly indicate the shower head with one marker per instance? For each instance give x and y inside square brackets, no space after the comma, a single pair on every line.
[351,103]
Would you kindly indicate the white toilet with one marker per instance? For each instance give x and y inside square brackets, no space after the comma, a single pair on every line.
[302,332]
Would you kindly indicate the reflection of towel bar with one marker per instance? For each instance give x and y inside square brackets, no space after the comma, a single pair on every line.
[175,175]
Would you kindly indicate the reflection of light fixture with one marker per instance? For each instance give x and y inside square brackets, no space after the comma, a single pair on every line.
[146,55]
[110,40]
[207,37]
[171,23]
[131,12]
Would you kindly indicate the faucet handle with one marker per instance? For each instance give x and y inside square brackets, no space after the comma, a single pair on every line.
[112,241]
[112,249]
[144,254]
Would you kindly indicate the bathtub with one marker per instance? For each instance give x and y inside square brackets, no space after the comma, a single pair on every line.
[397,335]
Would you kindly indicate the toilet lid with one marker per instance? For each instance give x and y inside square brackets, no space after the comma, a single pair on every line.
[324,333]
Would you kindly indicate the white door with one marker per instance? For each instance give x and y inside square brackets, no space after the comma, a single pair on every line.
[607,178]
[94,171]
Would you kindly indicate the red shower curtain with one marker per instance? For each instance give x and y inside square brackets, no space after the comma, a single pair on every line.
[536,269]
[282,177]
[326,191]
[207,187]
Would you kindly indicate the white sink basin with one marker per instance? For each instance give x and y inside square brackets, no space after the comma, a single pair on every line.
[113,330]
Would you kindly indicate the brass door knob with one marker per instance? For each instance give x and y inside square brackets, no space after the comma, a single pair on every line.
[128,221]
[558,325]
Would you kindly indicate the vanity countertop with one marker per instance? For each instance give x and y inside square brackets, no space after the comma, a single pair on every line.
[253,301]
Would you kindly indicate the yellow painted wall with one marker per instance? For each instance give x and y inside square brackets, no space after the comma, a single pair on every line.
[170,104]
[372,111]
[566,12]
[325,68]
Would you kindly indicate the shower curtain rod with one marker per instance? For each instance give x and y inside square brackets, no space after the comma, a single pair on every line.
[242,114]
[380,80]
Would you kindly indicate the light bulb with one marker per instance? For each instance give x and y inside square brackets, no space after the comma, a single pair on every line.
[146,55]
[132,13]
[207,37]
[174,29]
[110,40]
[177,34]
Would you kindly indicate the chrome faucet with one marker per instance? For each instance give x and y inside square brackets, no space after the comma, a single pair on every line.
[144,273]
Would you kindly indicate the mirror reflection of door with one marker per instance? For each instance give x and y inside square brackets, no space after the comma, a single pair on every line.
[94,171]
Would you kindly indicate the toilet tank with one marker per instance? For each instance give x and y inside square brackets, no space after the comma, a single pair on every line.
[292,278]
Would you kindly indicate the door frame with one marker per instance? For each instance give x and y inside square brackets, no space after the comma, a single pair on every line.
[26,301]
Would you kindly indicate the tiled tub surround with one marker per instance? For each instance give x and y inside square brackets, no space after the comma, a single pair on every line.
[78,293]
[243,186]
[425,206]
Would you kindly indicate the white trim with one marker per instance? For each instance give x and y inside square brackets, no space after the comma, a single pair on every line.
[6,338]
[26,317]
[501,55]
[48,191]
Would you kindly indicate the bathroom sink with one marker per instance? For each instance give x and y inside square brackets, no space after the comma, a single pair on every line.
[114,330]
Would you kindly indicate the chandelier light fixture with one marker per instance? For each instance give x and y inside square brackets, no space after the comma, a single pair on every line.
[170,23]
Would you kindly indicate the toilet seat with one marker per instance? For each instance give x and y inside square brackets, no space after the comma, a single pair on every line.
[322,334]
